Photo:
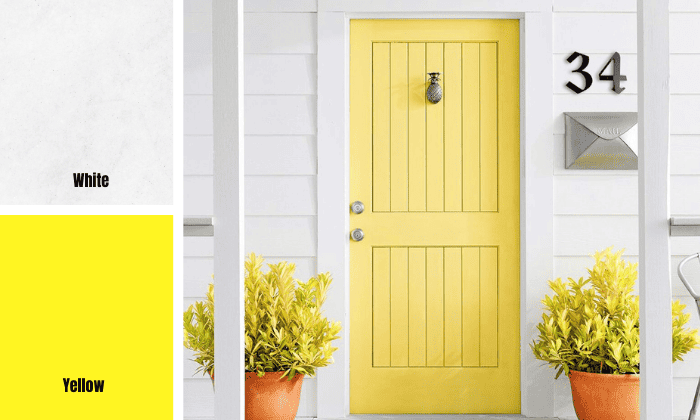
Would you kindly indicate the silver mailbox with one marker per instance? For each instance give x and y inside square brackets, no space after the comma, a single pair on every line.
[601,140]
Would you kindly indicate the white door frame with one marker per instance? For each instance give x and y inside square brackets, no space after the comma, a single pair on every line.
[536,174]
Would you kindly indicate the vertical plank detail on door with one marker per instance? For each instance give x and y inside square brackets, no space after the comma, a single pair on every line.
[489,126]
[399,306]
[470,306]
[452,96]
[416,307]
[453,306]
[381,304]
[435,176]
[416,126]
[488,263]
[399,127]
[435,157]
[435,306]
[381,127]
[470,127]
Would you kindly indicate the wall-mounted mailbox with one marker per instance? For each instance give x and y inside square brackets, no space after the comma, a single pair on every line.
[601,140]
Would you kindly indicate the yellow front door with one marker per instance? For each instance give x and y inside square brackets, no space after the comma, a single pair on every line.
[434,284]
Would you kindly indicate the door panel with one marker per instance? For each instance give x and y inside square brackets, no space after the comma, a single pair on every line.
[434,290]
[459,327]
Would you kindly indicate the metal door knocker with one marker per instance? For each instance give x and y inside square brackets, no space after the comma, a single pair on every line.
[434,92]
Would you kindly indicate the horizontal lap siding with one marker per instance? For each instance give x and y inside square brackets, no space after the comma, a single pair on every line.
[593,209]
[596,209]
[269,195]
[618,6]
[280,154]
[198,401]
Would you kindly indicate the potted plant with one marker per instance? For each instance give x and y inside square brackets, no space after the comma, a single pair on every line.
[286,337]
[199,333]
[591,334]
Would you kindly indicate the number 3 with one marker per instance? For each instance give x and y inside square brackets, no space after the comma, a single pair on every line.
[586,75]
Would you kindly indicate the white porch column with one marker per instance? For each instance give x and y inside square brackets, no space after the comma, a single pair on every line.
[656,394]
[227,29]
[333,393]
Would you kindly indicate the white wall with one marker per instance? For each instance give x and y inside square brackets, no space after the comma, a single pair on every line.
[595,209]
[280,149]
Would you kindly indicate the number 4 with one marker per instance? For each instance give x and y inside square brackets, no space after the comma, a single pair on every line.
[616,76]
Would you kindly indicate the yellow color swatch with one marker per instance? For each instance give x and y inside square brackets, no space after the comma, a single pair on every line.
[86,297]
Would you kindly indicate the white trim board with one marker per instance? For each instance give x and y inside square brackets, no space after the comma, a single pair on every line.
[536,153]
[374,6]
[227,24]
[655,330]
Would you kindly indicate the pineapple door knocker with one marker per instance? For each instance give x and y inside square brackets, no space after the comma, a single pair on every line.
[434,92]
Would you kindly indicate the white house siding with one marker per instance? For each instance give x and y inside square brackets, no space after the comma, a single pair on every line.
[280,153]
[595,209]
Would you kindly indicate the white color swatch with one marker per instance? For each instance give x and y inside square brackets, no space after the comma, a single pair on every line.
[86,86]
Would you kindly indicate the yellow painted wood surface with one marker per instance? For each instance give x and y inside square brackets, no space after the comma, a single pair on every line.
[471,307]
[488,306]
[471,129]
[381,131]
[417,307]
[489,126]
[435,295]
[435,145]
[399,307]
[399,126]
[452,97]
[453,306]
[381,298]
[416,127]
[434,286]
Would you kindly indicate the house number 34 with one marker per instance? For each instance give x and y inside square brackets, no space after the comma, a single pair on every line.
[615,78]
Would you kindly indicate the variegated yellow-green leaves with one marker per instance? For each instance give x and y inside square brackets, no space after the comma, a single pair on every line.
[199,332]
[596,329]
[284,327]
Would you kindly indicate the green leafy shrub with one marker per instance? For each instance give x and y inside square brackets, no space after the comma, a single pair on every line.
[596,329]
[284,327]
[199,335]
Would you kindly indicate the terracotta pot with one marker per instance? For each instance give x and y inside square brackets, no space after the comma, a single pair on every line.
[271,397]
[600,396]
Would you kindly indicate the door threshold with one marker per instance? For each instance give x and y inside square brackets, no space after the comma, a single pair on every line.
[442,417]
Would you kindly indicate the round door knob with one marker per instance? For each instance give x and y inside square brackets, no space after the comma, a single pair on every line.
[357,235]
[357,207]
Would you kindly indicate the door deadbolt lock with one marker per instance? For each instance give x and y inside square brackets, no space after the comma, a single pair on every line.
[357,235]
[357,207]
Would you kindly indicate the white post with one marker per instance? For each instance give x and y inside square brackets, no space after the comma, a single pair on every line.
[333,211]
[656,394]
[227,30]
